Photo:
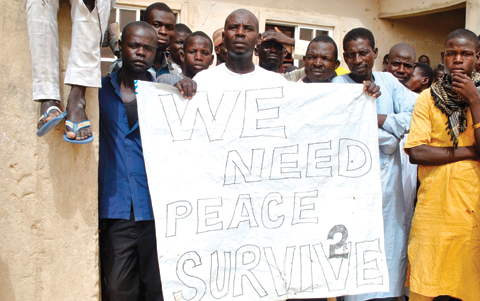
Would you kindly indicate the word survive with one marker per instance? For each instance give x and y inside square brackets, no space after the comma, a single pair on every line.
[231,273]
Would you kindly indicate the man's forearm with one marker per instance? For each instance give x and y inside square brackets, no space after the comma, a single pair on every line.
[381,120]
[433,155]
[397,124]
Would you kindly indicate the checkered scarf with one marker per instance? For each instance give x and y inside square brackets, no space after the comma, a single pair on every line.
[452,105]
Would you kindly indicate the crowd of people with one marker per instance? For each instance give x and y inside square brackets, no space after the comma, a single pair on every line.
[429,117]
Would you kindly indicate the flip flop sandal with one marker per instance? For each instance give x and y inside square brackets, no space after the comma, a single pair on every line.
[48,126]
[75,127]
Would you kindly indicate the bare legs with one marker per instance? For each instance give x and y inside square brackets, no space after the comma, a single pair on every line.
[45,104]
[76,112]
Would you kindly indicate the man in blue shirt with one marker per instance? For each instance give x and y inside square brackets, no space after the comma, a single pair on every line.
[127,238]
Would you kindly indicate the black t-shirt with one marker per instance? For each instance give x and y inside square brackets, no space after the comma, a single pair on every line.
[132,112]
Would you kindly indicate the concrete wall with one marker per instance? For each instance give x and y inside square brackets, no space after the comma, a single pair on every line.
[426,34]
[402,9]
[472,21]
[48,190]
[341,16]
[210,15]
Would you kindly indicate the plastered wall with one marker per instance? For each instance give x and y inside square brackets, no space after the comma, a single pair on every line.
[425,33]
[48,190]
[396,9]
[210,15]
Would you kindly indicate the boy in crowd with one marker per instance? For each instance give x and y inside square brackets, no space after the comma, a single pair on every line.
[477,64]
[421,79]
[220,49]
[401,59]
[176,47]
[162,19]
[444,141]
[320,60]
[438,73]
[423,59]
[394,108]
[385,62]
[198,54]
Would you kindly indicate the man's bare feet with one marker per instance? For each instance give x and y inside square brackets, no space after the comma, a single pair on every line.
[45,104]
[76,113]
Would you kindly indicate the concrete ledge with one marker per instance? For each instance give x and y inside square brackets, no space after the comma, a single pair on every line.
[403,9]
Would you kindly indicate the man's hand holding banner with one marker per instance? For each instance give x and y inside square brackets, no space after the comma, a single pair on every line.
[265,194]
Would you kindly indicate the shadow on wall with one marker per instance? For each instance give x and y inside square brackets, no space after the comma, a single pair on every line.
[7,292]
[73,168]
[73,174]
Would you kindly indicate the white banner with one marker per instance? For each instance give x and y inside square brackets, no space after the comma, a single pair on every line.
[265,194]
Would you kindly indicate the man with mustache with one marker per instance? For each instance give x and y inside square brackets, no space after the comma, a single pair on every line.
[394,109]
[401,60]
[320,60]
[127,230]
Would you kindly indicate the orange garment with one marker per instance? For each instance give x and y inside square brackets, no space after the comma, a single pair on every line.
[444,246]
[418,297]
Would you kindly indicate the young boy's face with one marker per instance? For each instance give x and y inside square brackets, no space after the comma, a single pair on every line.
[176,47]
[459,56]
[198,55]
[164,24]
[416,81]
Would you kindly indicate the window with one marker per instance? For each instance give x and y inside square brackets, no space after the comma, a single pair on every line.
[302,34]
[122,15]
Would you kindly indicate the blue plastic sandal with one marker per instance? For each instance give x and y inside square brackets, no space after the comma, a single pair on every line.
[75,127]
[48,126]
